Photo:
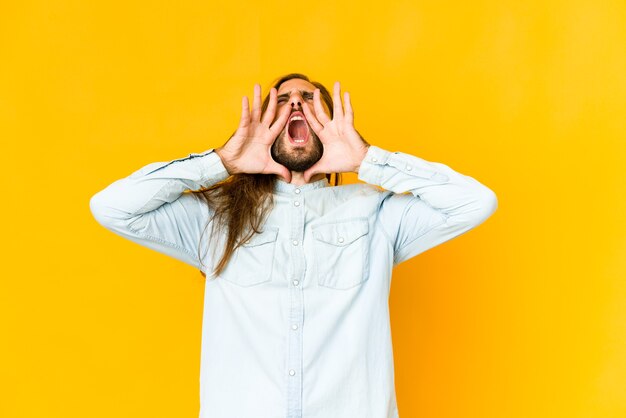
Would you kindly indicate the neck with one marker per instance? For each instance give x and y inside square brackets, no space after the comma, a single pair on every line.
[297,178]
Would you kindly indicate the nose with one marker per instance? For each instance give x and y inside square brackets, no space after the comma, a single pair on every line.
[295,100]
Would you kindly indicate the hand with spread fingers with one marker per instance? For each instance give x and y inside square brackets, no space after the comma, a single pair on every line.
[344,148]
[248,150]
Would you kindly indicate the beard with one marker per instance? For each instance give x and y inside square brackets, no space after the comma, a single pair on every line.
[297,158]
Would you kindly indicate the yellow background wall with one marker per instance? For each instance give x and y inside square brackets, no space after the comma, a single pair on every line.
[523,317]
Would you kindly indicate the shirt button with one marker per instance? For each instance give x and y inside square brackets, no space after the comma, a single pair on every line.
[292,372]
[295,282]
[296,203]
[340,239]
[408,167]
[294,326]
[295,242]
[297,191]
[374,159]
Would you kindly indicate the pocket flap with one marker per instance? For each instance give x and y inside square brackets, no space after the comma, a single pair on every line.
[341,233]
[269,234]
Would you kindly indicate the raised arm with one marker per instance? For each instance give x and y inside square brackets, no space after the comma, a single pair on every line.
[440,204]
[427,204]
[150,207]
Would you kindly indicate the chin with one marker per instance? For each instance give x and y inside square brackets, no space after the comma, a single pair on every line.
[297,157]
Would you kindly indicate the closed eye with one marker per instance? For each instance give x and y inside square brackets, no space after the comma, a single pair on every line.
[306,95]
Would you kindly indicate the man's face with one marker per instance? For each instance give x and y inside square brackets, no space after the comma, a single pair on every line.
[297,147]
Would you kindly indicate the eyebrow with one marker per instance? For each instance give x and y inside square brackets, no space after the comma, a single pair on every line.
[302,92]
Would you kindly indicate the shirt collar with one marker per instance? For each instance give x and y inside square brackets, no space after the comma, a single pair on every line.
[284,187]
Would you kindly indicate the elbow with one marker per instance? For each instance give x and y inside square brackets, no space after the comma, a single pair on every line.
[477,209]
[107,209]
[491,201]
[103,212]
[98,209]
[487,204]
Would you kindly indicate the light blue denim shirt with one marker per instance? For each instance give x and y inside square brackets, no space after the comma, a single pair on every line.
[297,325]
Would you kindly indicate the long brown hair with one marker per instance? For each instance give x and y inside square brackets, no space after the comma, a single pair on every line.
[241,203]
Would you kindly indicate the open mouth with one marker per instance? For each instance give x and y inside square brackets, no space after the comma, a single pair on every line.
[298,130]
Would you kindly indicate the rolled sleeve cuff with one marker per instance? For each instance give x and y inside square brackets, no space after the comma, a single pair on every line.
[371,168]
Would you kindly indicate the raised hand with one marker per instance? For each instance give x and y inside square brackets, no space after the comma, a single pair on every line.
[248,150]
[344,148]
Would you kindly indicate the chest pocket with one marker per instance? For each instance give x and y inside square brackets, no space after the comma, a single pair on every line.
[253,261]
[342,253]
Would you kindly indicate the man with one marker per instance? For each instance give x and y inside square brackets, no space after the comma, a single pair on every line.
[296,319]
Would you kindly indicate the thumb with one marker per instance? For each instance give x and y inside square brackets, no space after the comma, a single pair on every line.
[281,170]
[311,171]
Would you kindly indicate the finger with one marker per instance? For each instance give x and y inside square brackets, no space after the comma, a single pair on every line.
[245,113]
[281,170]
[349,117]
[308,174]
[320,113]
[256,103]
[281,121]
[270,112]
[337,108]
[284,172]
[312,120]
[311,171]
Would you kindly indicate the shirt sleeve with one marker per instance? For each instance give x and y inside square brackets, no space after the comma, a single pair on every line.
[150,207]
[429,203]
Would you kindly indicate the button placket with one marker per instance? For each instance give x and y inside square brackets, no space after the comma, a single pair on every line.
[296,202]
[296,310]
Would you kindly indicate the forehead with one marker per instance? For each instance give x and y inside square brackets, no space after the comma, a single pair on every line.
[295,84]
